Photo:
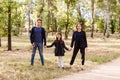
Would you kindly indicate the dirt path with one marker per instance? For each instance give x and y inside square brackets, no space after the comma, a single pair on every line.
[108,71]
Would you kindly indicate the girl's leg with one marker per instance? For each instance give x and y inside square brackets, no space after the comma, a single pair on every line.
[59,62]
[62,61]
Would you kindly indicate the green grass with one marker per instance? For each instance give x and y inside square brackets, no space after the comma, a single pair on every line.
[15,65]
[23,70]
[102,58]
[50,40]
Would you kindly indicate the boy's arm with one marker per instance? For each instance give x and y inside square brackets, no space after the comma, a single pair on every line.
[44,36]
[31,36]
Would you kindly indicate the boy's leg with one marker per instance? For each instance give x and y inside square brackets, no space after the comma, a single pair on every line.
[33,54]
[40,49]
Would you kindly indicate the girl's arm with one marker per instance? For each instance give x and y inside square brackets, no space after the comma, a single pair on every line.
[48,46]
[65,46]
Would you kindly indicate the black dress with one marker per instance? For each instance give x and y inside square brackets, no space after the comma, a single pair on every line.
[59,47]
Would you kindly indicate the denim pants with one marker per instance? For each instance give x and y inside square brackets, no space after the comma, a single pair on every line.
[40,49]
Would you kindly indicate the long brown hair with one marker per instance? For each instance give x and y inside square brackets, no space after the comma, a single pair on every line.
[80,25]
[59,33]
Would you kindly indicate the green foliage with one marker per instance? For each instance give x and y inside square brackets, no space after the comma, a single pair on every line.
[81,21]
[61,23]
[100,4]
[100,24]
[113,26]
[54,14]
[16,17]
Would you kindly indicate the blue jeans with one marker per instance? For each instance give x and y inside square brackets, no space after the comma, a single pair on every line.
[40,49]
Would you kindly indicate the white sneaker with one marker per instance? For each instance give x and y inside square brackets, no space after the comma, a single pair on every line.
[70,66]
[82,67]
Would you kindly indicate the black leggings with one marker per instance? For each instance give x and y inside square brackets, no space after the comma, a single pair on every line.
[82,51]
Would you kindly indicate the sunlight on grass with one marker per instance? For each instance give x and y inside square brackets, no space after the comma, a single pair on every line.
[15,65]
[23,70]
[103,58]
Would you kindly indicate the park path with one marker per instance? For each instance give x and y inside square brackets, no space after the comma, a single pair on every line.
[108,71]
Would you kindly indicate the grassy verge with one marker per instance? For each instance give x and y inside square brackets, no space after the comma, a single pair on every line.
[16,69]
[102,58]
[15,65]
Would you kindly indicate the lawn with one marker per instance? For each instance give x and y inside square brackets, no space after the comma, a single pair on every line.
[15,64]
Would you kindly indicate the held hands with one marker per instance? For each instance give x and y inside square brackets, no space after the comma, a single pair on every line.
[70,49]
[45,46]
[33,44]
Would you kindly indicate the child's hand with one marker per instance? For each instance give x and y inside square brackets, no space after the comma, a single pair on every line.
[69,49]
[45,46]
[33,44]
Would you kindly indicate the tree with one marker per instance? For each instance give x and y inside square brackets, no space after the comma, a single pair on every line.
[69,3]
[9,25]
[107,17]
[9,7]
[1,23]
[92,10]
[51,18]
[118,11]
[79,9]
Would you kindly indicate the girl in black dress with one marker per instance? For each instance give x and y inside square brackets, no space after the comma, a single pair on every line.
[79,42]
[59,49]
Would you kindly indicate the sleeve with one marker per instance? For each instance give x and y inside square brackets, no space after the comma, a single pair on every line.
[65,46]
[73,39]
[48,46]
[85,39]
[32,35]
[44,36]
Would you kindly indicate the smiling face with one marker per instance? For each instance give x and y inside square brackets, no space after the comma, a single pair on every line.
[79,27]
[59,36]
[39,23]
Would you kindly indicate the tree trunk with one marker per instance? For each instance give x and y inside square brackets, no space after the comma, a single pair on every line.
[92,26]
[119,27]
[29,22]
[0,42]
[48,24]
[42,17]
[52,19]
[105,26]
[9,28]
[107,12]
[66,28]
[118,3]
[79,12]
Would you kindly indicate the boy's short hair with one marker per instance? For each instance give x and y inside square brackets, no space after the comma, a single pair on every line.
[39,20]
